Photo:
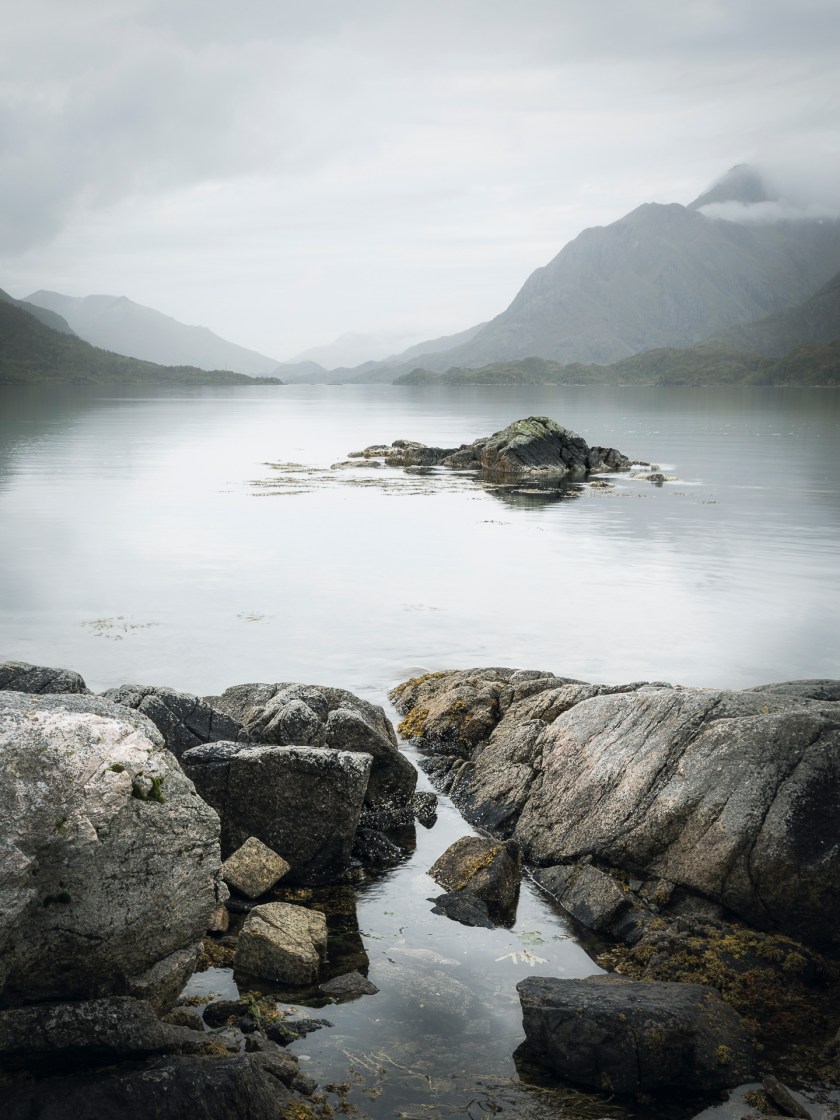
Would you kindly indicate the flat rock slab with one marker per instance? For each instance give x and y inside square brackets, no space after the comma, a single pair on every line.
[284,943]
[254,868]
[630,1037]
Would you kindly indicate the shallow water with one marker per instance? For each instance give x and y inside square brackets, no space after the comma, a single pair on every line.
[167,539]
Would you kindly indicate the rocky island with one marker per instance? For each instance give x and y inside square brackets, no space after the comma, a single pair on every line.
[690,833]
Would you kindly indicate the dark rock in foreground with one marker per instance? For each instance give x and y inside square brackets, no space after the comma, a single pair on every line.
[535,448]
[242,1087]
[302,802]
[628,1038]
[20,676]
[317,716]
[732,797]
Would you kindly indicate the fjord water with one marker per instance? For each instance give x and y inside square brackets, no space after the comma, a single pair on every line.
[201,539]
[145,538]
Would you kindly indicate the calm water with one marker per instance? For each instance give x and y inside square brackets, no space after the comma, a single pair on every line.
[201,539]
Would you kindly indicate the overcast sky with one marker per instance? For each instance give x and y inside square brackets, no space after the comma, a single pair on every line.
[284,172]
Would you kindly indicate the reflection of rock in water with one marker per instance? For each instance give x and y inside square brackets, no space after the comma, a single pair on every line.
[533,497]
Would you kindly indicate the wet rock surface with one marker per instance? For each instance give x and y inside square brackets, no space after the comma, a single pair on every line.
[486,869]
[302,802]
[184,720]
[351,985]
[318,716]
[101,833]
[627,1038]
[464,907]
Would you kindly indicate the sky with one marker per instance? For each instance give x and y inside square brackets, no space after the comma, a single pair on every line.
[288,172]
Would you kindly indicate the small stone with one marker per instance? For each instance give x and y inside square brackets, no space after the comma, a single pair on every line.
[254,868]
[425,805]
[489,869]
[220,1012]
[783,1099]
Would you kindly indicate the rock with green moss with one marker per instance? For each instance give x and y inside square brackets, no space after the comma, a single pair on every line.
[627,1038]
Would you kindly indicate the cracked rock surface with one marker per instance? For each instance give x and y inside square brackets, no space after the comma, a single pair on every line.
[731,795]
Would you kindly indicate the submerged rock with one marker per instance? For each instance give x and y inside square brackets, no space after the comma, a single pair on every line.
[284,943]
[317,716]
[302,802]
[351,985]
[101,835]
[254,868]
[183,720]
[464,907]
[731,796]
[625,1037]
[20,676]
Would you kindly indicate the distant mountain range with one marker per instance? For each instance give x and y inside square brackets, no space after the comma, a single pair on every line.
[124,327]
[663,276]
[38,348]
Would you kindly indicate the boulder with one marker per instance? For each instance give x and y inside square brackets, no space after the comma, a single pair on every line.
[183,720]
[20,676]
[302,801]
[284,943]
[729,795]
[489,870]
[625,1037]
[317,716]
[108,857]
[253,1086]
[89,1033]
[254,868]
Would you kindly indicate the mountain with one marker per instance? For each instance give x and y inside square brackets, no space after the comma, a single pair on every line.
[48,318]
[663,276]
[816,322]
[124,327]
[32,353]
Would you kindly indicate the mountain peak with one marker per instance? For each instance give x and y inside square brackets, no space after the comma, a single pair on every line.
[741,183]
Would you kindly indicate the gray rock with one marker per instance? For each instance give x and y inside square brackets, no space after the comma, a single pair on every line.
[486,868]
[241,1087]
[424,805]
[732,796]
[183,720]
[284,943]
[303,802]
[162,983]
[349,986]
[374,850]
[464,907]
[591,896]
[20,676]
[254,868]
[314,715]
[91,860]
[627,1038]
[89,1033]
[803,690]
